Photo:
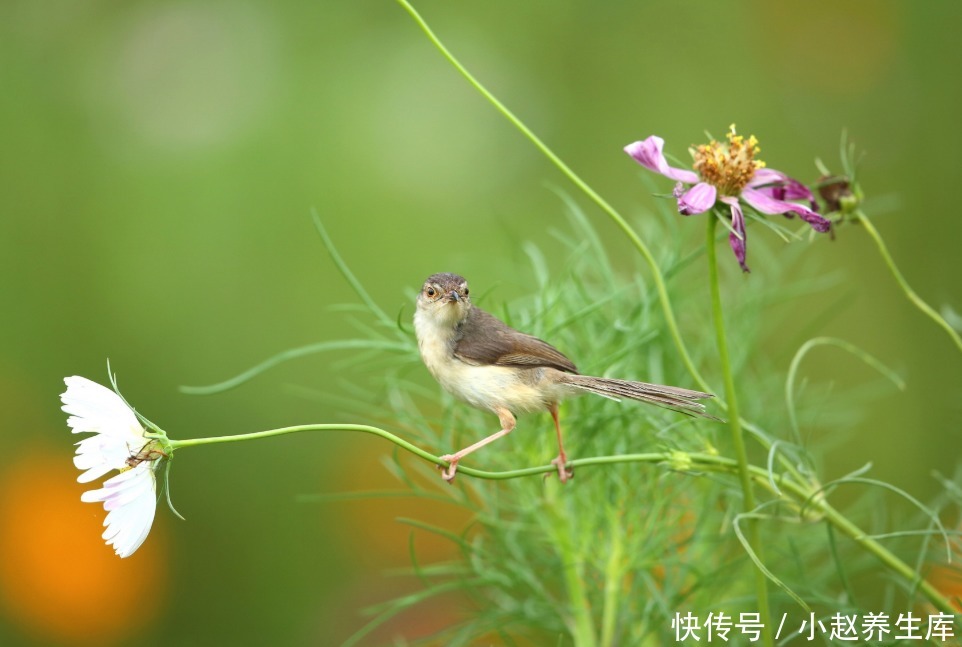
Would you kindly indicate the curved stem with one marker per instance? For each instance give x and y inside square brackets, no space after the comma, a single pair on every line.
[693,463]
[906,288]
[618,219]
[734,423]
[377,431]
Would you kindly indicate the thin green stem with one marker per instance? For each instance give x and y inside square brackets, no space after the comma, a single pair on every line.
[693,463]
[271,433]
[838,343]
[842,522]
[916,300]
[348,274]
[651,457]
[813,499]
[618,219]
[293,353]
[734,423]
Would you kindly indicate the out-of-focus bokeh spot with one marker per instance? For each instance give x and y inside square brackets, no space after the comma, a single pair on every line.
[374,537]
[371,528]
[184,76]
[362,601]
[947,580]
[829,47]
[59,580]
[397,139]
[946,576]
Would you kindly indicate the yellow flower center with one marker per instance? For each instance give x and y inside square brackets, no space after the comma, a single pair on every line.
[728,167]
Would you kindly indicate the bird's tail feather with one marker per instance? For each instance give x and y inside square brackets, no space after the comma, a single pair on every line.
[670,397]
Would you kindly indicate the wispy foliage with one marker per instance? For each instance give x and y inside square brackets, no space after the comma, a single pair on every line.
[614,555]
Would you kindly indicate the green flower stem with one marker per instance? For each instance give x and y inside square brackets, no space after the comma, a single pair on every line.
[909,292]
[734,423]
[685,462]
[367,429]
[585,188]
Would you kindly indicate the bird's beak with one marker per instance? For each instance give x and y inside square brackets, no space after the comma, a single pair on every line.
[454,296]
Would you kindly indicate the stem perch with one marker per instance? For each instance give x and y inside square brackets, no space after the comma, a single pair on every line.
[734,423]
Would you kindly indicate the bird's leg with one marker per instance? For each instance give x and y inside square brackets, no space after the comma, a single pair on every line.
[561,462]
[507,424]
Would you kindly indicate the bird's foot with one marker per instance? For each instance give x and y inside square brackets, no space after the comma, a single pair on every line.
[564,472]
[448,473]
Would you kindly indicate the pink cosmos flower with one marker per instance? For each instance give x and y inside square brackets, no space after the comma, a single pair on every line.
[729,173]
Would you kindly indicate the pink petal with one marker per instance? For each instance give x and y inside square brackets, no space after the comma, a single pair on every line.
[766,204]
[648,154]
[767,176]
[776,184]
[697,199]
[737,240]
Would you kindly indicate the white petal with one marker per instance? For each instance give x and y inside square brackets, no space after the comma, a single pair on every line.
[95,408]
[100,454]
[94,473]
[98,410]
[131,499]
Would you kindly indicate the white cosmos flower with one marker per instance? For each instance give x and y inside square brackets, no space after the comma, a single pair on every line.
[119,443]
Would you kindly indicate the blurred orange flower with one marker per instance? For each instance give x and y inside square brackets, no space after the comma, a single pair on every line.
[58,581]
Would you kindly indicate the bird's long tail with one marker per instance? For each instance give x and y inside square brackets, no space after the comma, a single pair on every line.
[670,397]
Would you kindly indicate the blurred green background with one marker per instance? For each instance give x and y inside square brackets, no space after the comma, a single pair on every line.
[158,164]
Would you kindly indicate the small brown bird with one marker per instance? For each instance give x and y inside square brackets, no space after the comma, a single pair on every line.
[481,360]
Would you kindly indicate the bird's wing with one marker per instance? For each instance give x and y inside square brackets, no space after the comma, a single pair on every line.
[486,340]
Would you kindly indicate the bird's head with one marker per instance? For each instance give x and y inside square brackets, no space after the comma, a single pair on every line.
[444,298]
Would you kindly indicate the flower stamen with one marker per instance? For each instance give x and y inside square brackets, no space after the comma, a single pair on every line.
[729,168]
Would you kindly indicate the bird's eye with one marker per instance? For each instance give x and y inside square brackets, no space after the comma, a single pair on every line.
[430,292]
[466,291]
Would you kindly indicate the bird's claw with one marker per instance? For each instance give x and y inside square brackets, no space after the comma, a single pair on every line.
[564,473]
[448,473]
